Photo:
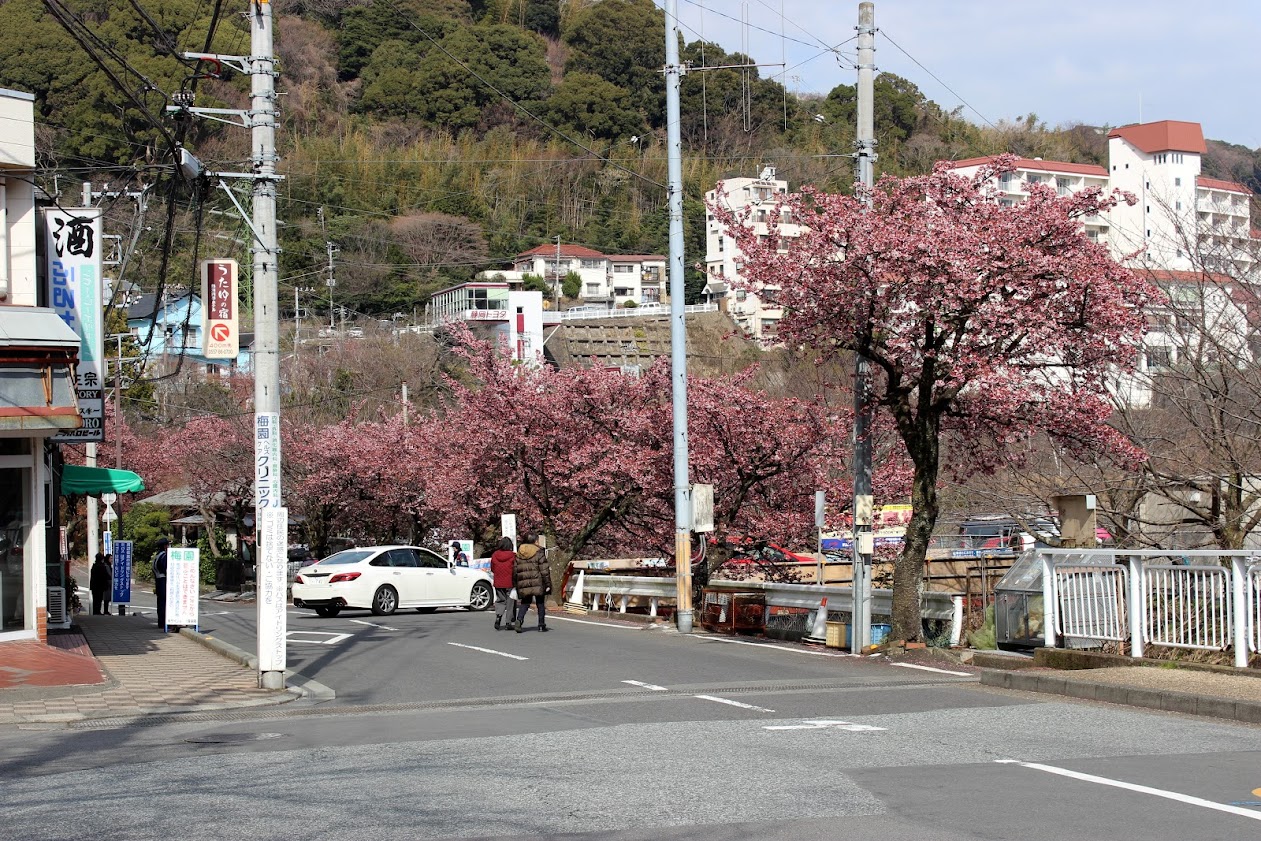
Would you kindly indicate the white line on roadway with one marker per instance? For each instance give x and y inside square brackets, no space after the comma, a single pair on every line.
[588,622]
[732,703]
[489,651]
[1158,792]
[777,647]
[333,639]
[824,724]
[651,686]
[374,625]
[931,669]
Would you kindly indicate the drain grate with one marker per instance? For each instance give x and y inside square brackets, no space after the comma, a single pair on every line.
[232,738]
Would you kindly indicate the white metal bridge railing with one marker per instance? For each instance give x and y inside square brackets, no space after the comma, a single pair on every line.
[1205,600]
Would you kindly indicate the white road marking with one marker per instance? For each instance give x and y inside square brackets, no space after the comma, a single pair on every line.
[931,669]
[826,724]
[732,703]
[489,651]
[333,639]
[778,647]
[588,622]
[1158,792]
[373,625]
[651,686]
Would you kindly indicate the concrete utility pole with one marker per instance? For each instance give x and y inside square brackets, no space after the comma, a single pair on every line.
[678,328]
[863,502]
[331,248]
[556,275]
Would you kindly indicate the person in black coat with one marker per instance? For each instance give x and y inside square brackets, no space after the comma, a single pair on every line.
[100,582]
[159,579]
[533,580]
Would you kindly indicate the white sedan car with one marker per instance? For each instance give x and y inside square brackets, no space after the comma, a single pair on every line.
[385,578]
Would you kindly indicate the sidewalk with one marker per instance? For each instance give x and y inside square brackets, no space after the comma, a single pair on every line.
[121,666]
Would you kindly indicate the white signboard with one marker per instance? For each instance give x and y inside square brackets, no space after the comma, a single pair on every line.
[266,460]
[508,526]
[183,586]
[525,328]
[219,310]
[272,582]
[73,240]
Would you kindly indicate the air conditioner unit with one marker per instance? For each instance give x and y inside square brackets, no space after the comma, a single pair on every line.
[58,615]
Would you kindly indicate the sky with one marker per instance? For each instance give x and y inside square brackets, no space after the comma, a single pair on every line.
[1100,62]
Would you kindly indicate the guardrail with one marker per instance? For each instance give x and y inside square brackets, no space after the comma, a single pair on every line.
[621,588]
[1205,600]
[630,312]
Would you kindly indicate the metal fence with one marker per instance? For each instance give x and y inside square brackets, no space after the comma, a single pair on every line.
[1187,606]
[1092,602]
[1204,600]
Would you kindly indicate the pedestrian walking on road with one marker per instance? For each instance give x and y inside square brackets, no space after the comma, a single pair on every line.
[159,579]
[502,561]
[533,581]
[100,580]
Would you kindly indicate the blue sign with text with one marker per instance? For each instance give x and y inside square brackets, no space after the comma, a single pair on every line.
[122,572]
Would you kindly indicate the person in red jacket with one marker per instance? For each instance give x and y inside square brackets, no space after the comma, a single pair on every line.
[502,562]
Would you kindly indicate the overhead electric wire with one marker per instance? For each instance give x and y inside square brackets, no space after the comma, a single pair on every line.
[936,79]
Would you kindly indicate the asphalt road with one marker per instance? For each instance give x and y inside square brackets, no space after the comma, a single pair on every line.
[445,728]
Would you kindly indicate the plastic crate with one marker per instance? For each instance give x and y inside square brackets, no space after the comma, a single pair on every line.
[839,634]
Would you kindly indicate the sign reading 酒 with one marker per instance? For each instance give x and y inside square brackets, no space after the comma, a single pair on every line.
[219,309]
[74,292]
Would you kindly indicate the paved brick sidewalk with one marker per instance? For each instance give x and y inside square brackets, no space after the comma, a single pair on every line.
[147,672]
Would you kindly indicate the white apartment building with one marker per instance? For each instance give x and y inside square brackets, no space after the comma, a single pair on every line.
[609,279]
[754,311]
[1190,234]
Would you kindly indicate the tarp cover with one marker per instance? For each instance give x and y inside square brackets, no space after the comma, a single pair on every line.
[94,481]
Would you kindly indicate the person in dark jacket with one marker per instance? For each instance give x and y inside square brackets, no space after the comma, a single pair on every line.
[159,579]
[502,561]
[533,581]
[100,582]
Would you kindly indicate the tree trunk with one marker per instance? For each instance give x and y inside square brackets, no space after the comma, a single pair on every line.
[908,571]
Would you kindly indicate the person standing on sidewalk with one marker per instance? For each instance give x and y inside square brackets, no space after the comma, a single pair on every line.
[100,580]
[502,561]
[159,579]
[533,580]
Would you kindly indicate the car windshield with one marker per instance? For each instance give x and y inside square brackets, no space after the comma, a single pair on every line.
[348,556]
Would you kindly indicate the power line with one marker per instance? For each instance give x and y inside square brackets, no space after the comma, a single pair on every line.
[936,79]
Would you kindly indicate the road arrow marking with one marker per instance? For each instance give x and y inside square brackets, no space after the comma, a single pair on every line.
[333,639]
[827,724]
[732,703]
[651,686]
[1157,792]
[931,669]
[373,625]
[489,651]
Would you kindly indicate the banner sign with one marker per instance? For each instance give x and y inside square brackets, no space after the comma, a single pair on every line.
[183,586]
[107,542]
[73,239]
[219,323]
[266,460]
[122,571]
[272,580]
[460,553]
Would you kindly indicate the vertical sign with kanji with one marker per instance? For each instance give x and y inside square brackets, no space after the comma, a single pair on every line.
[122,572]
[219,310]
[73,239]
[267,460]
[273,588]
[183,586]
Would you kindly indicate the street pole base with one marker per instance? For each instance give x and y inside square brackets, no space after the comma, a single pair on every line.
[271,680]
[684,620]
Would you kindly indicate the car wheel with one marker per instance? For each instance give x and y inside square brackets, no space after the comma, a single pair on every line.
[481,597]
[328,612]
[426,609]
[384,600]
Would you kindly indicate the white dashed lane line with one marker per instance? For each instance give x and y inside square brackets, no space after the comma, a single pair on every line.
[373,625]
[651,686]
[488,651]
[732,703]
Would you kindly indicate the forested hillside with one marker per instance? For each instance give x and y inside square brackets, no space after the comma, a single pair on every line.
[430,139]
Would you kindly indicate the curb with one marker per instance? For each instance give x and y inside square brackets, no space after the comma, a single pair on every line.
[1248,712]
[304,688]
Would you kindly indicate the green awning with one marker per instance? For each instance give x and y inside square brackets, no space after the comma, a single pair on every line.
[94,481]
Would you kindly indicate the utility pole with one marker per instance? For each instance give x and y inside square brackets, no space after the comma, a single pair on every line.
[556,276]
[331,248]
[678,328]
[863,502]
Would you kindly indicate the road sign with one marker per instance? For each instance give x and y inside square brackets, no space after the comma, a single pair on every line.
[122,572]
[219,310]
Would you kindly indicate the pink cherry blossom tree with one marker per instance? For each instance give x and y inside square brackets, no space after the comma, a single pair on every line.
[984,324]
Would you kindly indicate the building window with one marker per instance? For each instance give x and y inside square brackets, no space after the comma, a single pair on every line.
[1177,182]
[623,292]
[1177,157]
[721,242]
[1158,358]
[591,264]
[623,268]
[1177,205]
[1062,186]
[1159,159]
[593,289]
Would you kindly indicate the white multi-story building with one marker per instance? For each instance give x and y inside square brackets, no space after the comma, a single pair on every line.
[755,311]
[1189,234]
[609,279]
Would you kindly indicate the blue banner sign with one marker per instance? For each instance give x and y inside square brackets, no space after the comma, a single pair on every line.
[122,572]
